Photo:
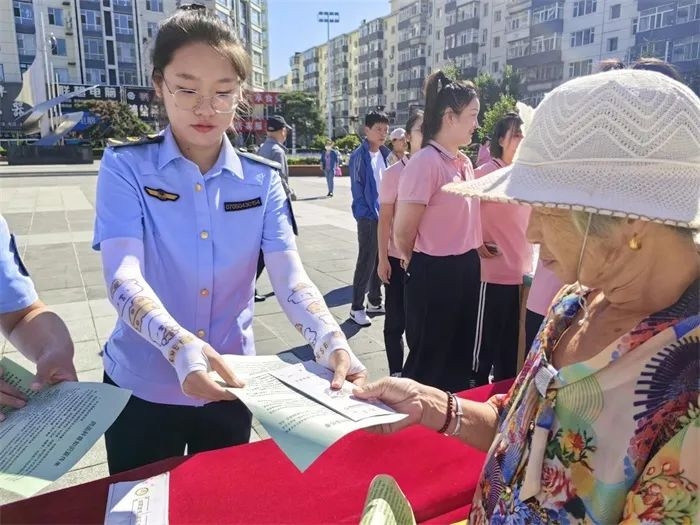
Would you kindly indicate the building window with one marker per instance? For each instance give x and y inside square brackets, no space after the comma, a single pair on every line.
[494,67]
[612,44]
[126,52]
[257,59]
[615,11]
[225,3]
[688,10]
[58,47]
[154,5]
[485,36]
[687,49]
[61,74]
[93,48]
[583,37]
[548,12]
[656,18]
[635,25]
[91,20]
[497,41]
[483,60]
[497,16]
[128,78]
[258,79]
[26,44]
[545,43]
[2,73]
[578,69]
[255,17]
[122,3]
[24,13]
[95,76]
[152,29]
[55,16]
[123,24]
[486,9]
[584,7]
[256,37]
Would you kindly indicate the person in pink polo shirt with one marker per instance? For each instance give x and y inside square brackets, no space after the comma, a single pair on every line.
[545,285]
[389,268]
[503,227]
[437,235]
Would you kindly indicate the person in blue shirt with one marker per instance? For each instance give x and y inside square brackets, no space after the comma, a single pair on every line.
[330,162]
[39,334]
[180,220]
[366,165]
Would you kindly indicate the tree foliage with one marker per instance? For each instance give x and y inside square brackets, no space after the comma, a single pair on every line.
[116,121]
[302,110]
[319,142]
[348,142]
[505,104]
[491,90]
[452,71]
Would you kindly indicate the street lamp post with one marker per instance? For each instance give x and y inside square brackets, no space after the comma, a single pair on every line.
[329,17]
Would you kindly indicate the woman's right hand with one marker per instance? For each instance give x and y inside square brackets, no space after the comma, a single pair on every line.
[200,385]
[384,270]
[403,395]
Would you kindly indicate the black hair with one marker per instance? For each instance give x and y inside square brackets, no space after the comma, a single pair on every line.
[192,24]
[658,65]
[376,117]
[442,93]
[611,64]
[510,121]
[415,117]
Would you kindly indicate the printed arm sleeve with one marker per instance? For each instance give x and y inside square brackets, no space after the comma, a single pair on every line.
[138,307]
[305,308]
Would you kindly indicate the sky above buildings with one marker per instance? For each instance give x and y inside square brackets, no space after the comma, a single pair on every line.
[293,25]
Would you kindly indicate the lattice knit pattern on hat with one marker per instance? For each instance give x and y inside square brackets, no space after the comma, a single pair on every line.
[623,143]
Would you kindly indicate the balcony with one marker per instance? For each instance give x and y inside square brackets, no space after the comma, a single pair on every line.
[514,6]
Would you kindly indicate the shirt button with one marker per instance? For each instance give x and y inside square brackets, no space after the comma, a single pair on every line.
[198,187]
[204,235]
[204,292]
[201,333]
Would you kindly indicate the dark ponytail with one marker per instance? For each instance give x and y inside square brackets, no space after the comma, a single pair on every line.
[442,93]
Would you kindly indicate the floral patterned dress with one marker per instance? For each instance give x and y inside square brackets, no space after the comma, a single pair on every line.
[614,439]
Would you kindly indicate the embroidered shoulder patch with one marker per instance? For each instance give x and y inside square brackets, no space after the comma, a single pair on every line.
[160,194]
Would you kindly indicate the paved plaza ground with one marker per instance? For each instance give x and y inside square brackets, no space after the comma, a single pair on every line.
[51,210]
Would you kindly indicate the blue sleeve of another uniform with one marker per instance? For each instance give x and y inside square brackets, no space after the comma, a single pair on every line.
[118,209]
[278,234]
[16,288]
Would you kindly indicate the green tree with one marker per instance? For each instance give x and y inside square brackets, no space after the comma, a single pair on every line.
[491,90]
[504,105]
[116,121]
[511,82]
[301,109]
[451,71]
[348,143]
[319,142]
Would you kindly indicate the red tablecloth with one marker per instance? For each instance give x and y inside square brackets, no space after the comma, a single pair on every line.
[256,483]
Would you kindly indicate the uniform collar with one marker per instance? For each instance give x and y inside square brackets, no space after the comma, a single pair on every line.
[447,154]
[227,160]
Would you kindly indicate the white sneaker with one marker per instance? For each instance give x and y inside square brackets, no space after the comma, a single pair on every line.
[360,317]
[375,309]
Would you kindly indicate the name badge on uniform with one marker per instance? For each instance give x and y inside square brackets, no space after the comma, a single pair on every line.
[243,205]
[160,194]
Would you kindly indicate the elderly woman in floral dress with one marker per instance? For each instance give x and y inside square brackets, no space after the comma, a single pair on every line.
[602,424]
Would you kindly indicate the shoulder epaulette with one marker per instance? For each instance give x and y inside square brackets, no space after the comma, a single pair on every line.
[135,141]
[259,159]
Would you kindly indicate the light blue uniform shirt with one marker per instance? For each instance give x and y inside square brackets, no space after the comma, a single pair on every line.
[16,288]
[202,235]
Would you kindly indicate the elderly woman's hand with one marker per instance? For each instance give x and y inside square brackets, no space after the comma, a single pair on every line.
[403,395]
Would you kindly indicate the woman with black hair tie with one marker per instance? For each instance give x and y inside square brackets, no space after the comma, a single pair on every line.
[438,237]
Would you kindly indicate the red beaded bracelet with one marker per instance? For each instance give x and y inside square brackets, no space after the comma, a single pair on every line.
[448,417]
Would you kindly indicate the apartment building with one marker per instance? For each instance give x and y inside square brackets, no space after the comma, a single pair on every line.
[372,81]
[109,41]
[670,31]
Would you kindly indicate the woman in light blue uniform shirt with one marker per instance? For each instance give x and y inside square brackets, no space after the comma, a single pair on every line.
[181,218]
[38,333]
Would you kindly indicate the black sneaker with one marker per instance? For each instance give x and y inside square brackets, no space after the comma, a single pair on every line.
[259,298]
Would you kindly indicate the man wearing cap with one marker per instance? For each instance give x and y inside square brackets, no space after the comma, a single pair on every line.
[398,146]
[274,149]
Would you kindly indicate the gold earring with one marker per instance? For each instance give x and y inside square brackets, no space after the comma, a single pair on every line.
[634,243]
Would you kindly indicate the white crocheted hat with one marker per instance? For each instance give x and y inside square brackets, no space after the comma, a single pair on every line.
[623,143]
